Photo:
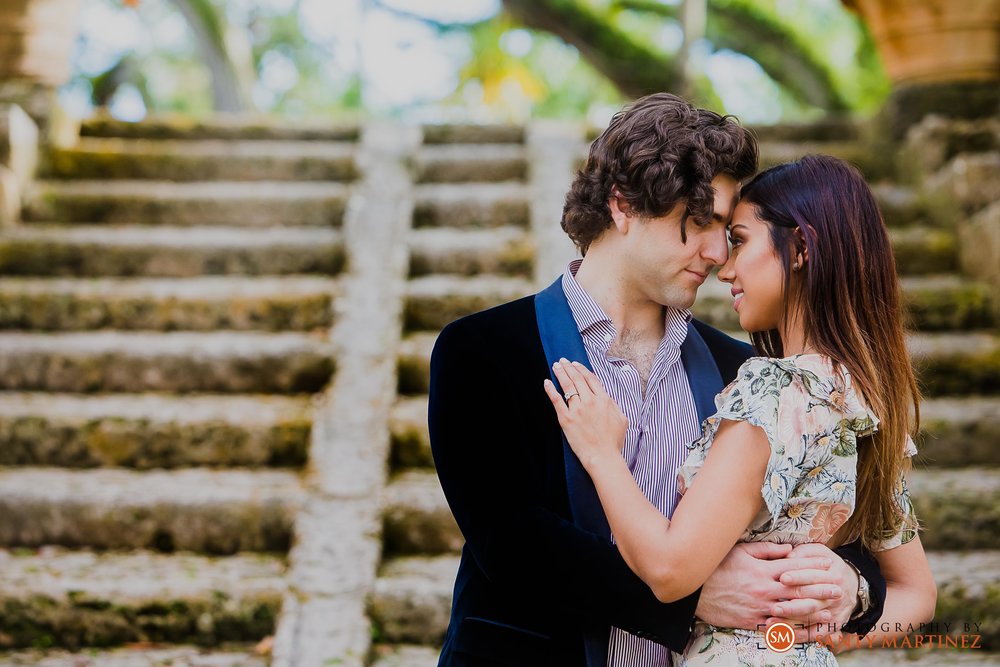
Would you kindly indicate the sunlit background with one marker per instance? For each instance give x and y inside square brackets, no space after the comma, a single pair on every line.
[439,60]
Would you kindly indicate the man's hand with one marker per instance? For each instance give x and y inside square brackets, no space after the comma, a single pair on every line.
[822,600]
[748,588]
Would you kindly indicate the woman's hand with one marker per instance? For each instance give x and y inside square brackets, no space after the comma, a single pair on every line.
[594,425]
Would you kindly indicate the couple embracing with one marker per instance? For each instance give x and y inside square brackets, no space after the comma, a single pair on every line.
[635,487]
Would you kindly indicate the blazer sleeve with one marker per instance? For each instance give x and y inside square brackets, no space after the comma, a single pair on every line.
[486,446]
[863,559]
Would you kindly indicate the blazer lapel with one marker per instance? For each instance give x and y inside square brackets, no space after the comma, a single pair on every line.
[561,338]
[702,372]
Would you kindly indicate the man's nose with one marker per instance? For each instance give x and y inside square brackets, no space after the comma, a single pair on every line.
[716,248]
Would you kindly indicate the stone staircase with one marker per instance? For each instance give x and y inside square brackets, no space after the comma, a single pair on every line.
[955,347]
[214,370]
[166,308]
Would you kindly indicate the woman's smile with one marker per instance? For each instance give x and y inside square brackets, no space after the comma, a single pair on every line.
[737,298]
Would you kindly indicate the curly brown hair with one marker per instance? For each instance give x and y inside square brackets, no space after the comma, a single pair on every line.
[655,153]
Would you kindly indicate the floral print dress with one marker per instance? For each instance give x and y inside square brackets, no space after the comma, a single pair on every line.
[813,418]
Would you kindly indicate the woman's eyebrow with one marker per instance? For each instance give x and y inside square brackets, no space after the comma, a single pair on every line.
[735,227]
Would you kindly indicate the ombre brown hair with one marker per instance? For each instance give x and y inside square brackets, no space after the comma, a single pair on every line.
[655,153]
[848,297]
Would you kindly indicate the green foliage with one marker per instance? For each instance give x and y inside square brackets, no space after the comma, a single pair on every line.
[581,54]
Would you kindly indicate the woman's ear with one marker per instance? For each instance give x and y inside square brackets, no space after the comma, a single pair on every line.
[800,251]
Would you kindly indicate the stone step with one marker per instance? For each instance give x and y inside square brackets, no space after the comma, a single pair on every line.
[779,150]
[110,361]
[828,128]
[957,364]
[416,518]
[194,509]
[959,509]
[471,205]
[919,657]
[900,205]
[473,133]
[218,126]
[504,251]
[136,250]
[943,303]
[832,128]
[434,301]
[924,250]
[261,203]
[414,363]
[960,432]
[969,592]
[79,599]
[955,433]
[471,163]
[412,597]
[411,445]
[405,655]
[147,431]
[182,656]
[873,165]
[935,303]
[207,160]
[272,303]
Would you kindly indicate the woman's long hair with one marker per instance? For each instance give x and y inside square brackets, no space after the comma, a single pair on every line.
[848,300]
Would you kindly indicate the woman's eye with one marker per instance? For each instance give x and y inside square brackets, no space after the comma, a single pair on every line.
[734,241]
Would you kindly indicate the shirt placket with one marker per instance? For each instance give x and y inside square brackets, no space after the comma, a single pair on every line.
[661,364]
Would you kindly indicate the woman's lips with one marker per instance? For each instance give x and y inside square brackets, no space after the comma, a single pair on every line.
[737,299]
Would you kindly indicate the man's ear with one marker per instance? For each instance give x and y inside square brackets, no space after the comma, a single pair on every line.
[619,211]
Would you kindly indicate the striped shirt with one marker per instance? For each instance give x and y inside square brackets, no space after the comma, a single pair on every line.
[662,420]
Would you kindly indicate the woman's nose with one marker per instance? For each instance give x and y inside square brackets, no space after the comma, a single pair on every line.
[726,273]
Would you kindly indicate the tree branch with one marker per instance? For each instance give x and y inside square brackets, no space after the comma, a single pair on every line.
[634,68]
[440,26]
[772,45]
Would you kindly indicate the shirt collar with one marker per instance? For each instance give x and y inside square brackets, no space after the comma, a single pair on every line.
[589,315]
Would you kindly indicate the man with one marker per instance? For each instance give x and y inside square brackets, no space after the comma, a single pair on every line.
[540,580]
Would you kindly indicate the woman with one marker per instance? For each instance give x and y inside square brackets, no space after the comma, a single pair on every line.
[811,441]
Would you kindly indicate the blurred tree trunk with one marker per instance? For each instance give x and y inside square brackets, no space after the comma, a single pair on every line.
[230,88]
[634,68]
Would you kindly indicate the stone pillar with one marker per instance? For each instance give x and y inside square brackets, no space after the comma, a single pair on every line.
[337,547]
[555,150]
[36,41]
[18,160]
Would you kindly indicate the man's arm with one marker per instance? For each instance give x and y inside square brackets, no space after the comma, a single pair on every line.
[759,584]
[488,443]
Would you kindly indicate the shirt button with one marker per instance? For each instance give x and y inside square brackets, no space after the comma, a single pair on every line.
[608,338]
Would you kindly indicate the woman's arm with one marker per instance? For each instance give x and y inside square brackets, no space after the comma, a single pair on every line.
[711,516]
[911,595]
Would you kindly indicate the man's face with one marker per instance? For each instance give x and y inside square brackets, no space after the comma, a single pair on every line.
[663,269]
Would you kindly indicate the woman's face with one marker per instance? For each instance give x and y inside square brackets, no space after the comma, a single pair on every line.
[754,271]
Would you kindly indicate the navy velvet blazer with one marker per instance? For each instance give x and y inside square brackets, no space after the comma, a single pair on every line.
[540,582]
